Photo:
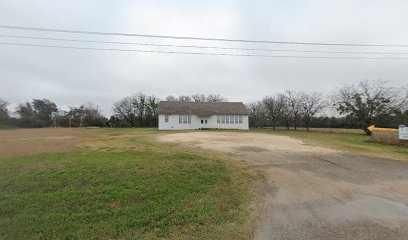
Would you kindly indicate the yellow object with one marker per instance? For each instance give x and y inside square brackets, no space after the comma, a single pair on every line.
[373,128]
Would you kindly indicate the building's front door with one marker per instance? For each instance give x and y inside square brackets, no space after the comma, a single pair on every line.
[204,123]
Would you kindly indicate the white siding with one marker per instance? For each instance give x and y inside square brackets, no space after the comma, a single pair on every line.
[173,123]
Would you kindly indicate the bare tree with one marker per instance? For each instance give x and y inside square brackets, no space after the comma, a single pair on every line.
[88,115]
[137,110]
[257,114]
[199,97]
[294,104]
[152,105]
[366,100]
[312,104]
[215,98]
[184,98]
[139,103]
[124,110]
[274,108]
[3,110]
[171,98]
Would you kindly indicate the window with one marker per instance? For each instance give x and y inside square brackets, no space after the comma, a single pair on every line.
[206,121]
[240,118]
[223,119]
[218,119]
[227,119]
[236,119]
[202,121]
[166,118]
[184,119]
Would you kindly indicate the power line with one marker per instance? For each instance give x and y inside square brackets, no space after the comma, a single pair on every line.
[198,38]
[200,47]
[200,53]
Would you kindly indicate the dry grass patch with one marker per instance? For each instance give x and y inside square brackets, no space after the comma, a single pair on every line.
[20,142]
[346,142]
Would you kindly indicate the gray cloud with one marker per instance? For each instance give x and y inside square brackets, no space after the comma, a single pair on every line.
[73,77]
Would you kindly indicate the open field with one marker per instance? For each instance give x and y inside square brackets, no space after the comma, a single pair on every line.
[326,186]
[20,142]
[146,184]
[117,183]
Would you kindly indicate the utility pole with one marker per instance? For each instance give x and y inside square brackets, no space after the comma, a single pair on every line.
[80,124]
[189,117]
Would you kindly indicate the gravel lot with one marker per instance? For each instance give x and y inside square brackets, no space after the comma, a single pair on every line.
[312,192]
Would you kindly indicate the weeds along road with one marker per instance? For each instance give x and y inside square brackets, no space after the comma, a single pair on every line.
[312,192]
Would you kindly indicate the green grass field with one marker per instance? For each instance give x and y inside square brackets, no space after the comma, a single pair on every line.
[123,184]
[356,143]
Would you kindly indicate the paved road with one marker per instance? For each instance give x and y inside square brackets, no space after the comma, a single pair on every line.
[311,192]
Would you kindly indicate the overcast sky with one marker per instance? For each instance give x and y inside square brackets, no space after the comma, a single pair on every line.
[71,77]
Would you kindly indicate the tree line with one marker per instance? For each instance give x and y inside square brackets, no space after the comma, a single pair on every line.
[288,109]
[136,110]
[44,113]
[140,110]
[353,106]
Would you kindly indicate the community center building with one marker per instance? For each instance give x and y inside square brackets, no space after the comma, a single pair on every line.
[202,115]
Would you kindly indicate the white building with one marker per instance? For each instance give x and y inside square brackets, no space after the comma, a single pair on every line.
[202,115]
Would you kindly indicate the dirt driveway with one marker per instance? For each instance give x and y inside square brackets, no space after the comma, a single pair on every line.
[313,192]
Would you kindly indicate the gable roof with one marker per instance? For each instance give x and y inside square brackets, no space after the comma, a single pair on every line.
[202,109]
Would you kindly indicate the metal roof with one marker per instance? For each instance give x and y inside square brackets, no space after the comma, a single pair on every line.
[202,109]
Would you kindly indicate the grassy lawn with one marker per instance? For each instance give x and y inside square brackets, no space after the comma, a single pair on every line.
[357,143]
[123,184]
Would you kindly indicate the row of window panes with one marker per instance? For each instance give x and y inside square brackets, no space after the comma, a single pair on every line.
[229,119]
[184,118]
